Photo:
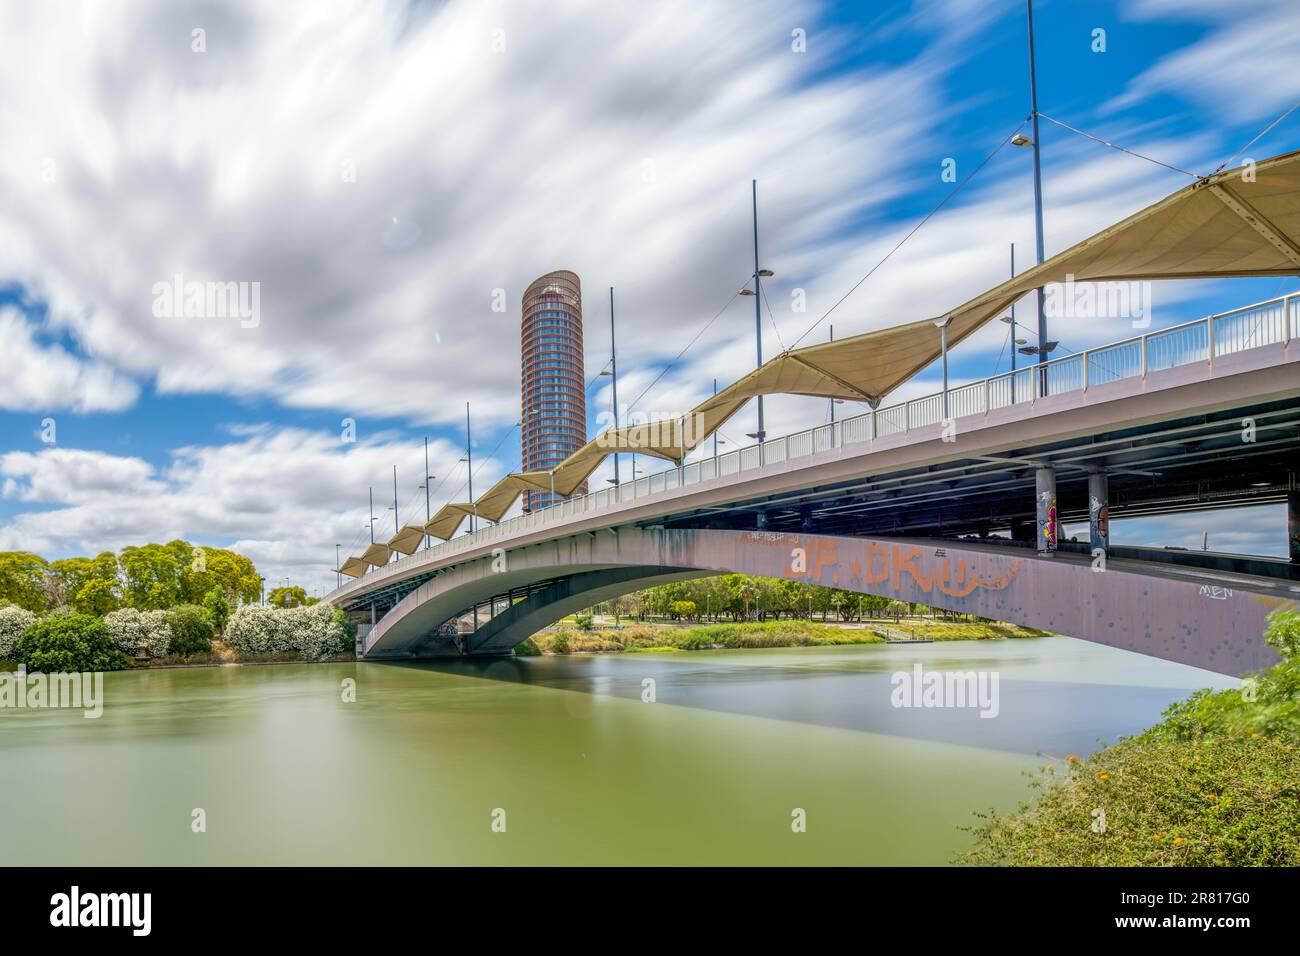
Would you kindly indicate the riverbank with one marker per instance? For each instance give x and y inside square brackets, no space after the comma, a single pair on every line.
[666,638]
[1215,783]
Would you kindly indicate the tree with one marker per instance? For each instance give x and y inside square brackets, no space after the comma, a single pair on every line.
[153,574]
[91,584]
[21,575]
[287,597]
[217,608]
[210,568]
[682,609]
[69,643]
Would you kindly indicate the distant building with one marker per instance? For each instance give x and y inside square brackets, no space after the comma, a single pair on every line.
[553,393]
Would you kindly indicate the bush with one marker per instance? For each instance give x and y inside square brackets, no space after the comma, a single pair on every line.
[560,643]
[527,648]
[69,643]
[583,621]
[311,631]
[14,621]
[191,629]
[129,628]
[1232,802]
[1215,783]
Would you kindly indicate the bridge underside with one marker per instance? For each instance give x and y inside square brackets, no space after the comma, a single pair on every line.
[1207,620]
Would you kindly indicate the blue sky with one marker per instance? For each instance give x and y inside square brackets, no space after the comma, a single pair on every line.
[488,143]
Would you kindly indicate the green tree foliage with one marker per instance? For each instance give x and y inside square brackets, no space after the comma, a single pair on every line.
[192,631]
[217,608]
[21,576]
[233,573]
[91,584]
[743,597]
[148,577]
[68,643]
[682,609]
[159,576]
[288,597]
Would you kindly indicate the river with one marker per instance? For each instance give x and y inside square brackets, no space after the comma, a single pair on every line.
[564,753]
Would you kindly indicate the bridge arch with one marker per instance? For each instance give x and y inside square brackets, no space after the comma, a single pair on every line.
[1129,605]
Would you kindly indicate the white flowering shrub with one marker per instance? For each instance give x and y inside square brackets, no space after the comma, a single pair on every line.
[310,632]
[13,621]
[130,628]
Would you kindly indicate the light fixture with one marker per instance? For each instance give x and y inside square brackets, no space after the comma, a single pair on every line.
[766,273]
[1020,139]
[745,292]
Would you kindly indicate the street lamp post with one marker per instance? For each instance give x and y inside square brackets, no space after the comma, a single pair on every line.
[469,466]
[428,515]
[338,574]
[613,366]
[758,315]
[715,431]
[1038,200]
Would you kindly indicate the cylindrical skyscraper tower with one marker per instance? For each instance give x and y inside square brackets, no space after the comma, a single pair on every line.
[553,394]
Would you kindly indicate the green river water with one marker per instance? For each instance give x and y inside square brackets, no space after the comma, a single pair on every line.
[287,772]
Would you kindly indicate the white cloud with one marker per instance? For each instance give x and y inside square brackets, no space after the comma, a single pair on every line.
[283,497]
[1243,68]
[614,139]
[48,378]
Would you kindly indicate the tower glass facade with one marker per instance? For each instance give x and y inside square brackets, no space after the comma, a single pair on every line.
[553,394]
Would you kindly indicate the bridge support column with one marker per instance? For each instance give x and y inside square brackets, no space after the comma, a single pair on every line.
[1045,510]
[1098,512]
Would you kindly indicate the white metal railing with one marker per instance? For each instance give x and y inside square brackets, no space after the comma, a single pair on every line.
[1272,322]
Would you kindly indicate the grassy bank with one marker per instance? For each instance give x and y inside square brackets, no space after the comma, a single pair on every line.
[642,638]
[1215,783]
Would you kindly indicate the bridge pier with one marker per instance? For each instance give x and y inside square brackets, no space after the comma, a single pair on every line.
[1047,527]
[1098,511]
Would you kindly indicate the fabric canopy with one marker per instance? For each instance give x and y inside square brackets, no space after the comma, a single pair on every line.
[377,554]
[497,500]
[354,567]
[445,522]
[1238,223]
[407,540]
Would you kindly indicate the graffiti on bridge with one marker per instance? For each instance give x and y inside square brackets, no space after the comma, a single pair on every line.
[818,560]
